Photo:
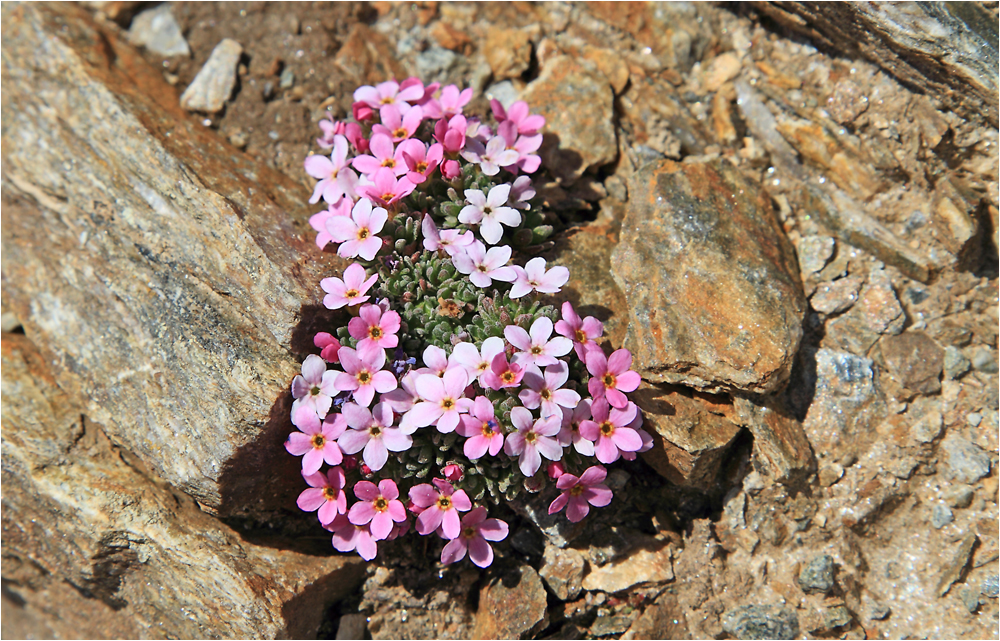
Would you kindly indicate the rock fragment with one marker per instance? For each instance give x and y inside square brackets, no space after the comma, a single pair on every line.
[814,253]
[780,447]
[953,569]
[508,52]
[915,360]
[967,463]
[817,576]
[510,606]
[836,296]
[761,622]
[955,363]
[158,31]
[941,516]
[562,571]
[213,85]
[647,562]
[721,70]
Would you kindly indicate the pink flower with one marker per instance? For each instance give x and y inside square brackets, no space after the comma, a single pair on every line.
[330,128]
[416,82]
[450,133]
[544,392]
[385,189]
[421,162]
[527,125]
[389,93]
[440,505]
[452,473]
[482,430]
[532,440]
[570,432]
[318,221]
[383,155]
[534,347]
[491,157]
[580,491]
[581,332]
[315,387]
[611,376]
[489,212]
[356,137]
[396,125]
[363,375]
[350,291]
[501,374]
[521,192]
[374,329]
[477,362]
[336,178]
[525,146]
[325,493]
[357,233]
[451,169]
[610,431]
[317,440]
[534,277]
[378,505]
[348,537]
[482,266]
[555,470]
[444,400]
[372,432]
[475,532]
[329,346]
[452,241]
[362,112]
[404,397]
[450,103]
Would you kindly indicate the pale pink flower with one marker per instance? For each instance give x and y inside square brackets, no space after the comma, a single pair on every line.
[472,539]
[502,374]
[581,332]
[435,361]
[525,146]
[450,169]
[357,233]
[421,161]
[397,125]
[527,124]
[373,433]
[477,361]
[317,440]
[389,93]
[315,387]
[610,431]
[383,155]
[535,347]
[532,440]
[336,179]
[647,438]
[482,266]
[490,157]
[489,211]
[544,391]
[350,291]
[378,505]
[443,400]
[582,492]
[480,426]
[611,376]
[348,537]
[385,189]
[330,128]
[450,103]
[374,329]
[318,221]
[328,345]
[405,396]
[534,277]
[363,375]
[521,191]
[570,432]
[452,241]
[429,90]
[325,493]
[440,504]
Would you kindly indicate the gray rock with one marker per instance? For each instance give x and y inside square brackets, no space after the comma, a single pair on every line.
[9,322]
[562,571]
[761,622]
[213,85]
[960,497]
[556,528]
[815,253]
[836,617]
[941,516]
[607,625]
[836,296]
[158,31]
[928,427]
[984,360]
[877,312]
[990,586]
[955,363]
[874,608]
[286,79]
[528,541]
[967,462]
[434,63]
[915,360]
[970,598]
[352,626]
[503,91]
[817,575]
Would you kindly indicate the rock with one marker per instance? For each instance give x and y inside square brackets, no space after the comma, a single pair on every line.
[556,528]
[352,626]
[955,363]
[877,312]
[970,599]
[952,570]
[781,449]
[846,165]
[991,586]
[761,622]
[213,85]
[814,253]
[928,427]
[451,38]
[648,561]
[960,497]
[158,31]
[846,102]
[577,102]
[714,295]
[828,475]
[941,516]
[662,619]
[984,360]
[562,571]
[659,122]
[915,360]
[836,617]
[612,624]
[691,435]
[721,70]
[967,463]
[504,91]
[836,296]
[874,609]
[509,52]
[817,576]
[367,58]
[510,605]
[170,301]
[528,541]
[286,79]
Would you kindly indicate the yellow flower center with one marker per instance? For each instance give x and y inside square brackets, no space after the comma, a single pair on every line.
[364,377]
[531,437]
[607,429]
[330,493]
[444,502]
[352,293]
[576,490]
[536,349]
[546,394]
[375,430]
[363,233]
[318,441]
[380,504]
[608,380]
[469,532]
[375,332]
[507,377]
[581,337]
[447,403]
[389,162]
[400,133]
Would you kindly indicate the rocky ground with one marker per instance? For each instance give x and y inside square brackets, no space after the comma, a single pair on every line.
[789,216]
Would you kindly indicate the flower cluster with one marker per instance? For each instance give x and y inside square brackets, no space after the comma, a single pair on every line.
[449,369]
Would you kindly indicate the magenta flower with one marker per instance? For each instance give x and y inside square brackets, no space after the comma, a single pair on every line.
[348,537]
[543,391]
[383,155]
[363,375]
[611,376]
[374,329]
[389,93]
[350,291]
[328,345]
[581,332]
[582,492]
[397,125]
[318,221]
[378,505]
[525,146]
[527,125]
[373,433]
[534,277]
[489,212]
[532,440]
[356,137]
[421,161]
[385,189]
[482,266]
[521,192]
[325,493]
[480,426]
[317,440]
[475,361]
[452,472]
[315,387]
[439,505]
[336,179]
[610,431]
[502,374]
[357,233]
[570,432]
[444,400]
[476,531]
[450,103]
[490,157]
[535,347]
[452,241]
[450,133]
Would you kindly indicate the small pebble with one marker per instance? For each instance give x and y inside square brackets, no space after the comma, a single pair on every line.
[991,586]
[970,598]
[941,516]
[287,78]
[974,419]
[267,91]
[960,497]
